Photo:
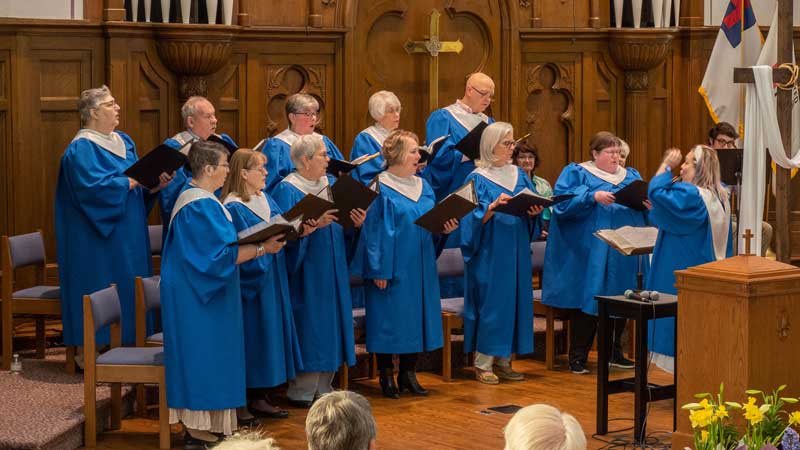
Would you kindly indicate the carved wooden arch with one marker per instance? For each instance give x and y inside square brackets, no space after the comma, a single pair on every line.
[347,12]
[312,83]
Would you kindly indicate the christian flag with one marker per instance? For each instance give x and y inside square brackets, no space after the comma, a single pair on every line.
[738,45]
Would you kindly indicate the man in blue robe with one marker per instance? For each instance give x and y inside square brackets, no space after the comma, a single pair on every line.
[199,117]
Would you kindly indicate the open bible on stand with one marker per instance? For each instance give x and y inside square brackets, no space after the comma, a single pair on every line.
[265,230]
[630,240]
[454,206]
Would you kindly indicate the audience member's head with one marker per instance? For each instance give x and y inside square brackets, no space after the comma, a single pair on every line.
[543,427]
[341,420]
[252,440]
[722,136]
[624,151]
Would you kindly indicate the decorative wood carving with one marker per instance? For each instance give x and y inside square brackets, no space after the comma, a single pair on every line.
[286,80]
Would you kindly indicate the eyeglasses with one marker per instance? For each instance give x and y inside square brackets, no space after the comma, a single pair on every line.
[258,169]
[483,94]
[225,165]
[526,157]
[111,103]
[308,114]
[509,144]
[725,143]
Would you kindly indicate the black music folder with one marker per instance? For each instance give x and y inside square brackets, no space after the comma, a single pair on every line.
[311,207]
[230,148]
[730,165]
[265,230]
[160,159]
[340,166]
[470,145]
[455,206]
[519,204]
[428,152]
[349,194]
[632,195]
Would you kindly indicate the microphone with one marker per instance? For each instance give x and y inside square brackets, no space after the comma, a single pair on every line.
[629,294]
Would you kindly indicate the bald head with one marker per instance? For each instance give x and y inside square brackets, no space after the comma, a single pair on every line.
[479,92]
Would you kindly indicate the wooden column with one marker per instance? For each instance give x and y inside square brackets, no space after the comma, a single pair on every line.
[314,16]
[114,10]
[536,13]
[594,14]
[243,19]
[691,13]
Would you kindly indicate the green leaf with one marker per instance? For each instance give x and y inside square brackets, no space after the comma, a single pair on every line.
[789,400]
[691,406]
[703,395]
[734,405]
[752,392]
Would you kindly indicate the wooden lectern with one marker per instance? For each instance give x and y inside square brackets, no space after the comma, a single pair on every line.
[735,326]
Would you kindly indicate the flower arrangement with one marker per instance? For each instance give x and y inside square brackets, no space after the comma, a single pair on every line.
[767,424]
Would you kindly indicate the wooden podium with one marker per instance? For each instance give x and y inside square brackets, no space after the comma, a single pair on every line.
[736,320]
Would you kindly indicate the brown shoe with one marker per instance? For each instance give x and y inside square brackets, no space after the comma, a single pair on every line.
[507,373]
[486,376]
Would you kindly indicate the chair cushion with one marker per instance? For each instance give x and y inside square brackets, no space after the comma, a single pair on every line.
[136,356]
[158,337]
[359,317]
[45,292]
[537,295]
[453,305]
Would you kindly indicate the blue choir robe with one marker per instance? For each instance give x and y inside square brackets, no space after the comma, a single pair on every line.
[201,306]
[406,317]
[319,282]
[368,142]
[279,162]
[577,265]
[449,167]
[687,236]
[183,175]
[272,351]
[100,224]
[498,297]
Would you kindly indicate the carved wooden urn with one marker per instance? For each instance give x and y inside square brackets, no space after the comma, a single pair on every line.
[193,54]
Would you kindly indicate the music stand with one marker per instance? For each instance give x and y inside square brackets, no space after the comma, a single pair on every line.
[731,162]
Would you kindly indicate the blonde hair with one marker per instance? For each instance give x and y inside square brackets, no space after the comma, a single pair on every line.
[394,149]
[490,137]
[543,427]
[706,171]
[242,159]
[251,440]
[341,420]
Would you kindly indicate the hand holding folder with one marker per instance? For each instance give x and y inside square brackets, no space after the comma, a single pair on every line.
[275,226]
[348,195]
[454,206]
[520,204]
[162,159]
[632,195]
[338,167]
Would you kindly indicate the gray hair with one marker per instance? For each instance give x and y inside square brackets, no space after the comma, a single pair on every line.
[305,146]
[299,102]
[380,101]
[341,420]
[543,427]
[89,100]
[253,440]
[189,108]
[492,136]
[204,153]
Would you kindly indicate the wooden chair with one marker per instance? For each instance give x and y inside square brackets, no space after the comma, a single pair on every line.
[550,313]
[116,366]
[450,264]
[155,232]
[148,298]
[40,301]
[359,322]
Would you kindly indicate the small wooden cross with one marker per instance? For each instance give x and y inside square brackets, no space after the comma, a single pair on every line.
[748,235]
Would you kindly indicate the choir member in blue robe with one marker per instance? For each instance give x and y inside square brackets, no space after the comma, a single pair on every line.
[319,280]
[385,108]
[498,297]
[578,265]
[201,303]
[100,217]
[272,351]
[397,260]
[302,112]
[693,217]
[199,117]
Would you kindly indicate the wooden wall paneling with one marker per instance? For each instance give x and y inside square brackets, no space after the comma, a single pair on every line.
[6,178]
[226,90]
[279,13]
[604,102]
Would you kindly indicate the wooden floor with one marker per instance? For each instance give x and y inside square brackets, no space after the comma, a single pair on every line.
[454,416]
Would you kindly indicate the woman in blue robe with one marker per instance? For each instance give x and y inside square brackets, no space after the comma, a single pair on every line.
[693,217]
[100,217]
[272,351]
[498,297]
[578,265]
[302,112]
[319,280]
[201,303]
[397,260]
[384,107]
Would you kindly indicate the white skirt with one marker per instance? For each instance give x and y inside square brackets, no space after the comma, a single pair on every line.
[666,363]
[216,421]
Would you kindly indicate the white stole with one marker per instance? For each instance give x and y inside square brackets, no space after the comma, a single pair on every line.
[613,178]
[719,216]
[409,187]
[113,142]
[290,137]
[309,187]
[505,176]
[378,133]
[184,137]
[192,194]
[258,204]
[468,120]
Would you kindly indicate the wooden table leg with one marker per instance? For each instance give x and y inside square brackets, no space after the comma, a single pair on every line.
[603,347]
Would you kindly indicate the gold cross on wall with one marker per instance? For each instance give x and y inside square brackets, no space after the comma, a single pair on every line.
[433,46]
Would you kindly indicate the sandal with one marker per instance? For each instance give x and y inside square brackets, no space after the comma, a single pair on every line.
[507,373]
[486,376]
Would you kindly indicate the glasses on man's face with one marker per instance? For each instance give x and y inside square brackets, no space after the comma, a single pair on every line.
[225,165]
[725,143]
[309,114]
[483,94]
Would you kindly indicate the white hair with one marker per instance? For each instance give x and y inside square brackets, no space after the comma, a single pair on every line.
[300,102]
[189,108]
[341,420]
[490,137]
[89,100]
[380,101]
[252,440]
[543,427]
[305,146]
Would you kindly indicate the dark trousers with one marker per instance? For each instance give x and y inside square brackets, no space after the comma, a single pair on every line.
[408,361]
[582,328]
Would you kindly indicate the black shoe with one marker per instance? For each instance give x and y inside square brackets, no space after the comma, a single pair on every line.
[407,379]
[578,368]
[387,384]
[277,414]
[192,443]
[622,362]
[304,404]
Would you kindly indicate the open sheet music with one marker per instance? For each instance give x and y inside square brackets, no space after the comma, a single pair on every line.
[519,204]
[265,230]
[337,166]
[630,240]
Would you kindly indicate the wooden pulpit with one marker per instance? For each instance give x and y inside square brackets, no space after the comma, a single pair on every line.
[735,325]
